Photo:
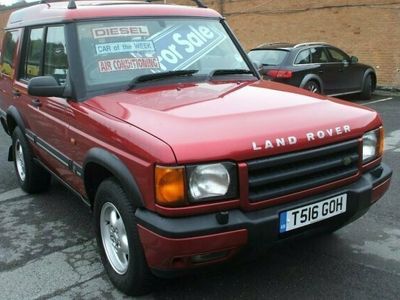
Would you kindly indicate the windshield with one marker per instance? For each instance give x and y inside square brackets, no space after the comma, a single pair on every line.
[117,52]
[268,57]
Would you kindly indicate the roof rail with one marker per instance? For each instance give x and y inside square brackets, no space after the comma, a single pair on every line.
[199,3]
[72,4]
[310,44]
[274,43]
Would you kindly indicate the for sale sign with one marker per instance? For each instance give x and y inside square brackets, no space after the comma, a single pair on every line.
[180,46]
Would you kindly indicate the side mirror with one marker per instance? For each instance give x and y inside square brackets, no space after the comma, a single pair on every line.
[45,86]
[353,59]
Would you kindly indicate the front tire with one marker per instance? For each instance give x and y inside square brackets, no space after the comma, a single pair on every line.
[118,240]
[32,178]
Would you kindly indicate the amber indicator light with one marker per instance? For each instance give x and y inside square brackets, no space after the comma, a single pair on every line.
[170,188]
[381,144]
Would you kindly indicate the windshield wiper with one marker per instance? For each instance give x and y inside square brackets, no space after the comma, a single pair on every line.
[161,75]
[229,72]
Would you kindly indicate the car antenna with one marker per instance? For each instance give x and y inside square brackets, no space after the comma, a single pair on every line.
[200,3]
[44,2]
[71,4]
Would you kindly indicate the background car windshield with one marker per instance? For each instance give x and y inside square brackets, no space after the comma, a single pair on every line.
[117,52]
[268,57]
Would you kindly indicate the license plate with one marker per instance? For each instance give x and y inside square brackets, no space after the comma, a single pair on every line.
[309,214]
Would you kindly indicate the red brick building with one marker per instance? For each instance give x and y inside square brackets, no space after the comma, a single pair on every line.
[369,29]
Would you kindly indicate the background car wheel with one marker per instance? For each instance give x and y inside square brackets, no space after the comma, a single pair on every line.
[313,87]
[32,178]
[367,89]
[118,240]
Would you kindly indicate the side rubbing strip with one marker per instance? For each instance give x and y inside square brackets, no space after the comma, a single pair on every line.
[55,153]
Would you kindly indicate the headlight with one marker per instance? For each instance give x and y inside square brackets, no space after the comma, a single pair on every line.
[212,182]
[372,145]
[208,181]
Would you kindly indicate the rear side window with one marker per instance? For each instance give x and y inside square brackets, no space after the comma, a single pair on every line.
[268,57]
[45,54]
[10,44]
[304,57]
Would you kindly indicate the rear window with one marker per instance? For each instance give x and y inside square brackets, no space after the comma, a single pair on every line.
[268,57]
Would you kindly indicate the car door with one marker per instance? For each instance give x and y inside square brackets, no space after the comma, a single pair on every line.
[350,75]
[7,69]
[45,117]
[327,72]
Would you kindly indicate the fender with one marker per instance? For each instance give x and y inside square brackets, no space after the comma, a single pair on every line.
[114,165]
[13,116]
[314,77]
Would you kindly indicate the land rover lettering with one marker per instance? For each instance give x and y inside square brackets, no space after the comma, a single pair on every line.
[310,136]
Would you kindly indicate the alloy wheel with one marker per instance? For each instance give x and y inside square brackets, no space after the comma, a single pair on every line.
[20,160]
[114,238]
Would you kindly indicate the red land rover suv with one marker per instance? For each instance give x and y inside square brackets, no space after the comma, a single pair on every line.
[154,115]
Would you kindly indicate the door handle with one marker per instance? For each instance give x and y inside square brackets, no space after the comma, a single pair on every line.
[36,103]
[16,93]
[320,71]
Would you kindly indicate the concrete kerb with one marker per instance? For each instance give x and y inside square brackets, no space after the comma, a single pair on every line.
[387,91]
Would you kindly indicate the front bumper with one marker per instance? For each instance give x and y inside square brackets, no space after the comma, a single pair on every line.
[186,242]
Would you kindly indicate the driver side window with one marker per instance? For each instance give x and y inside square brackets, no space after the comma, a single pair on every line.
[45,54]
[55,55]
[337,56]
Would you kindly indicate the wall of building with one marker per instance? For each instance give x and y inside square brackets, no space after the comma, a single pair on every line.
[368,29]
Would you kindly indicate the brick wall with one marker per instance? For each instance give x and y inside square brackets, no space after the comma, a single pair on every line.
[368,29]
[3,22]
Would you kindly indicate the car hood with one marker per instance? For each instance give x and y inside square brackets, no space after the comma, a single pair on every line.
[237,121]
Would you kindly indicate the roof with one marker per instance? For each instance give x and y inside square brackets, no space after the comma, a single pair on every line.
[58,12]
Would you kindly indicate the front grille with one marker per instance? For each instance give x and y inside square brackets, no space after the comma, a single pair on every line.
[289,173]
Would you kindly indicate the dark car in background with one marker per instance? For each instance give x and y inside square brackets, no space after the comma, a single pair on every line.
[315,66]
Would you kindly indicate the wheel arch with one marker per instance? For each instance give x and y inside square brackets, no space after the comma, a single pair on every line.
[313,77]
[100,164]
[14,119]
[372,73]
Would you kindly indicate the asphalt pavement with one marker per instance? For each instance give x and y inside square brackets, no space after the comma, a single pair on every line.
[48,251]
